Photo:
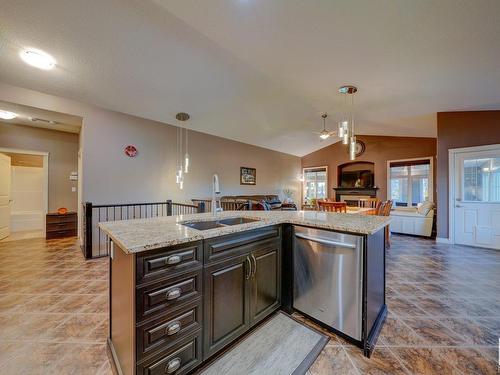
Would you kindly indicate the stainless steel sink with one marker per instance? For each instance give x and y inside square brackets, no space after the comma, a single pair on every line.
[205,225]
[237,220]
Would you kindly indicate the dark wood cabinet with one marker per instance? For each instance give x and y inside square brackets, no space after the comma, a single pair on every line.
[60,225]
[226,302]
[174,307]
[265,283]
[240,292]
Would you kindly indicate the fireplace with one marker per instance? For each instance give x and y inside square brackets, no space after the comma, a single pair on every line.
[355,181]
[352,195]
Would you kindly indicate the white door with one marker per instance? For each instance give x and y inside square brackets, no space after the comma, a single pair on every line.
[4,195]
[477,198]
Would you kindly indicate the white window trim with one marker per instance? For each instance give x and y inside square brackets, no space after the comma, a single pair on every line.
[431,176]
[304,169]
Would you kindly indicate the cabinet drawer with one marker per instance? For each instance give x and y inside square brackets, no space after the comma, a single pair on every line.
[179,360]
[60,234]
[65,225]
[69,218]
[168,261]
[169,330]
[234,244]
[164,295]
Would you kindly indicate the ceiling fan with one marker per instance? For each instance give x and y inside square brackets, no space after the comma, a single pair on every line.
[325,134]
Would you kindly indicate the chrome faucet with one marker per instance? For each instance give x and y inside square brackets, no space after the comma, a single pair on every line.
[215,195]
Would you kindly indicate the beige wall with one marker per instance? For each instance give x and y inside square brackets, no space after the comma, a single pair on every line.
[108,176]
[112,177]
[379,149]
[62,149]
[456,130]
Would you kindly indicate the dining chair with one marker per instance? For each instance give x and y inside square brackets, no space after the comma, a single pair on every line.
[332,206]
[384,209]
[368,202]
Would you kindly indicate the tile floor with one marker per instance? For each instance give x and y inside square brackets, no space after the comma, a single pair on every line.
[444,312]
[16,236]
[53,309]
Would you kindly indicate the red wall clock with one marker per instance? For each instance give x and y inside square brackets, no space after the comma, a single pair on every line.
[130,151]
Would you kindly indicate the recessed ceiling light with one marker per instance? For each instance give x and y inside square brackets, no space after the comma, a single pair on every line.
[38,59]
[7,115]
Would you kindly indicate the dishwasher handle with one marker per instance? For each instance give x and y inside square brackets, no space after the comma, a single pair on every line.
[324,241]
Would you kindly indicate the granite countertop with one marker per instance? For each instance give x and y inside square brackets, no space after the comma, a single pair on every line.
[138,235]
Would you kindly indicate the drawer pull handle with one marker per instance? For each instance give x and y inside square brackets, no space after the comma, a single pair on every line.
[173,365]
[174,259]
[174,293]
[173,328]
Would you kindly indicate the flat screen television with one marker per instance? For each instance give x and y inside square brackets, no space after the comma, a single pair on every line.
[356,175]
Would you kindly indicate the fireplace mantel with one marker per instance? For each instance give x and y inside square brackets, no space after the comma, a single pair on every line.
[355,192]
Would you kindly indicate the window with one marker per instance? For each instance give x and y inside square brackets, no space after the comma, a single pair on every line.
[410,182]
[315,183]
[481,180]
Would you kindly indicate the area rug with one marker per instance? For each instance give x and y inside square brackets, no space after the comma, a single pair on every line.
[280,346]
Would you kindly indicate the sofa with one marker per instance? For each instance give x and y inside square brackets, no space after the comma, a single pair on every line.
[261,202]
[413,220]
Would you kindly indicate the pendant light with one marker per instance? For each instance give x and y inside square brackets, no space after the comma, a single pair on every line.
[182,164]
[347,133]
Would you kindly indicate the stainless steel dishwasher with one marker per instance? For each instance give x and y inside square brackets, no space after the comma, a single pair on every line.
[328,278]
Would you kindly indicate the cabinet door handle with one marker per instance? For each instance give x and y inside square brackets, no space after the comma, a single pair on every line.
[173,259]
[249,268]
[173,293]
[173,328]
[173,365]
[255,265]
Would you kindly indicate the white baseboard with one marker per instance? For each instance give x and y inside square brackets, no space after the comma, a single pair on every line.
[443,240]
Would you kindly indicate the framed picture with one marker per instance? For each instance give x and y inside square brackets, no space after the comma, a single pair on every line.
[248,176]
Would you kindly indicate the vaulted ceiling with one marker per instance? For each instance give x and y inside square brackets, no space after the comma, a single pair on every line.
[262,71]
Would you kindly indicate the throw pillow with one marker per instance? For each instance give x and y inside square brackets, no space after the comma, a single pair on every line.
[424,208]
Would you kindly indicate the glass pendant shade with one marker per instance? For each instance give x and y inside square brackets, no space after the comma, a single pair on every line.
[352,148]
[345,138]
[186,163]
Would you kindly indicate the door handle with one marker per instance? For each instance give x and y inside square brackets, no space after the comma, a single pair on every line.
[173,259]
[457,206]
[325,241]
[173,365]
[255,265]
[173,328]
[173,294]
[249,268]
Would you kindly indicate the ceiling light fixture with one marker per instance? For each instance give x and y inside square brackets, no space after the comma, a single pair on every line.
[325,134]
[37,58]
[7,115]
[346,125]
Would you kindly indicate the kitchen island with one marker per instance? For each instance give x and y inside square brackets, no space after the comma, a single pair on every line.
[182,288]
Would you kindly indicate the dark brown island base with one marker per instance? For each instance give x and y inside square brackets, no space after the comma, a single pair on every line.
[174,308]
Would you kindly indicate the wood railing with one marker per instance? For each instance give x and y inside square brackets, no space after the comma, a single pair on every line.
[95,242]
